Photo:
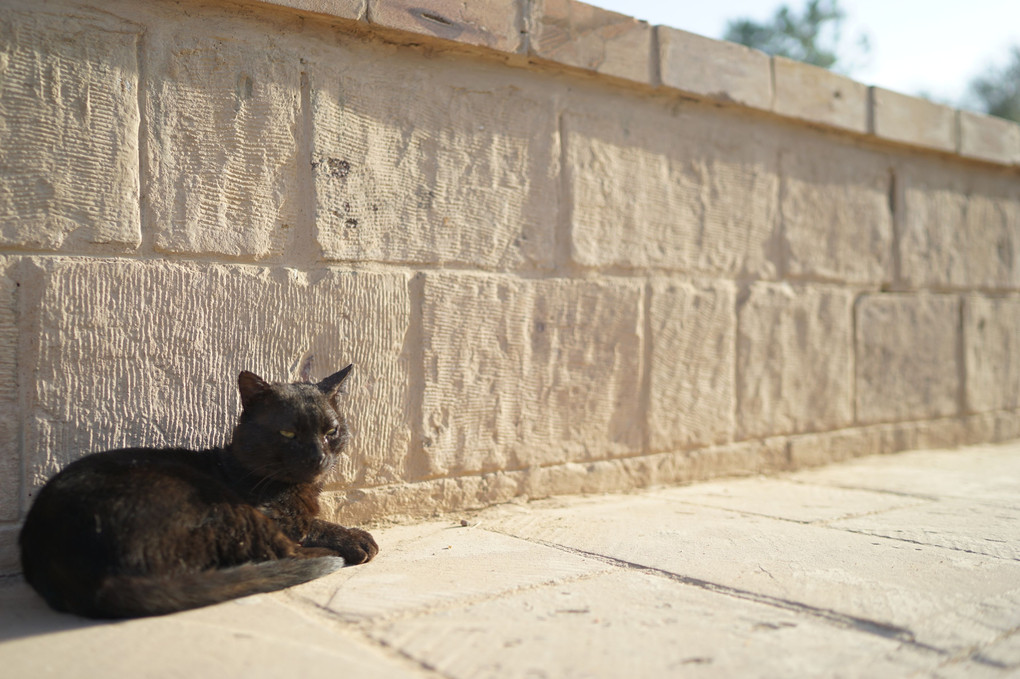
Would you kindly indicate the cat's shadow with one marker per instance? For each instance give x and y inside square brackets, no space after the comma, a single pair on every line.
[24,614]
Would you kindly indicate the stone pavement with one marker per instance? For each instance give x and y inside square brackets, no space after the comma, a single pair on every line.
[904,565]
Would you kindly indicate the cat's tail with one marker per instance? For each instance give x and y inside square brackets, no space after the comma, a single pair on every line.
[127,596]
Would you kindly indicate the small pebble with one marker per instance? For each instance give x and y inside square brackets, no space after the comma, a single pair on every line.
[463,523]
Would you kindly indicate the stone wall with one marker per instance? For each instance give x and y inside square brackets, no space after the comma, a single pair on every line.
[566,251]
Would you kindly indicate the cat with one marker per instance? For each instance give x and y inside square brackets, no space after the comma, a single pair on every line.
[144,531]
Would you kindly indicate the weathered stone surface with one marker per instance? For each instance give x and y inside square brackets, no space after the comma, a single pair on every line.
[623,624]
[715,69]
[441,564]
[992,661]
[958,227]
[692,364]
[989,138]
[164,343]
[946,523]
[650,585]
[836,212]
[456,163]
[10,396]
[521,372]
[912,120]
[862,580]
[688,190]
[10,561]
[581,35]
[495,24]
[989,474]
[818,95]
[426,498]
[991,353]
[812,450]
[68,128]
[794,360]
[260,637]
[345,9]
[222,137]
[780,499]
[907,357]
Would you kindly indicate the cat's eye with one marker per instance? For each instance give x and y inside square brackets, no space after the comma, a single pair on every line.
[287,434]
[332,432]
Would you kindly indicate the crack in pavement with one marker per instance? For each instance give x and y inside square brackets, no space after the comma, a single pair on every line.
[881,629]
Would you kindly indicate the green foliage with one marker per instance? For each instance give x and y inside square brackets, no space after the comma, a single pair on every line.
[813,37]
[998,92]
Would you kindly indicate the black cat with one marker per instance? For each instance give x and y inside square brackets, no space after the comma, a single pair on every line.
[144,531]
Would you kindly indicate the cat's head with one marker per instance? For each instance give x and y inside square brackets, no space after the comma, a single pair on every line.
[293,432]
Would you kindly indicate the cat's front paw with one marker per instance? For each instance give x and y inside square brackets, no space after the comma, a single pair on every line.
[358,547]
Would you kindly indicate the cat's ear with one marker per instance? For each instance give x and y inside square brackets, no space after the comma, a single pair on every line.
[250,385]
[330,385]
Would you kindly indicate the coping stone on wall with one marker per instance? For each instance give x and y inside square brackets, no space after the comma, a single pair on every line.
[715,69]
[343,9]
[582,36]
[912,120]
[592,38]
[989,138]
[495,24]
[817,95]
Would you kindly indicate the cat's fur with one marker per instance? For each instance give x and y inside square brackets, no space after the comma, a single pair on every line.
[143,531]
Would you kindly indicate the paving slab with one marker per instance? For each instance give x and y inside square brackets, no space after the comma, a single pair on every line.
[788,500]
[1001,659]
[949,523]
[637,625]
[259,636]
[439,564]
[915,592]
[893,566]
[986,473]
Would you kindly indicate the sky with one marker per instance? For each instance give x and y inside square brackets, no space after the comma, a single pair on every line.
[917,46]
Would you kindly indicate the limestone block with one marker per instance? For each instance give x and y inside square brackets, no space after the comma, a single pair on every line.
[222,118]
[10,396]
[454,163]
[756,457]
[692,364]
[719,70]
[991,353]
[835,210]
[147,353]
[958,226]
[794,360]
[344,9]
[68,128]
[521,373]
[814,450]
[10,561]
[989,138]
[592,38]
[1007,426]
[690,190]
[907,348]
[912,120]
[818,95]
[487,23]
